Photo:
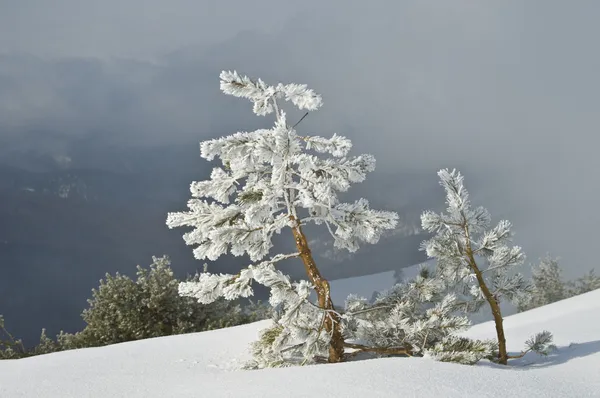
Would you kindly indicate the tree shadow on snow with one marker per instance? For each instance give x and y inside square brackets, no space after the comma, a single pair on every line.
[559,356]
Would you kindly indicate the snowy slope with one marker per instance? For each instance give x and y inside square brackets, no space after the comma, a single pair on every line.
[203,364]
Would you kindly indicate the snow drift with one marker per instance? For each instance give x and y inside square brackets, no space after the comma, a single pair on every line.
[205,364]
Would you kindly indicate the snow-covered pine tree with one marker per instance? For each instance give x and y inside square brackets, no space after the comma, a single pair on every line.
[270,180]
[587,283]
[462,241]
[548,286]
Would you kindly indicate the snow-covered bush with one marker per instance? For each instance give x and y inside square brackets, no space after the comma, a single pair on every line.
[45,346]
[270,180]
[123,309]
[547,285]
[414,318]
[10,347]
[463,242]
[586,283]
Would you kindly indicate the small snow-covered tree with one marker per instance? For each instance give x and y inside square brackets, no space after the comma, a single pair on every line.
[548,285]
[463,241]
[587,283]
[272,179]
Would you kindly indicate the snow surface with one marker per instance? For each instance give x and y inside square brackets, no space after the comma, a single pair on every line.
[204,364]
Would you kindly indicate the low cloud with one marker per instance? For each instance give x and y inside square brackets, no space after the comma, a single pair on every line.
[505,91]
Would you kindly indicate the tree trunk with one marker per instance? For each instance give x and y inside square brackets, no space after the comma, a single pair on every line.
[332,321]
[502,353]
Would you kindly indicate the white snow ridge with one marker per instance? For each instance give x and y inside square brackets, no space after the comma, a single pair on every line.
[206,365]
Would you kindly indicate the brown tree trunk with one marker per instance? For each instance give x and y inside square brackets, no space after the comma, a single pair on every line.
[502,353]
[332,321]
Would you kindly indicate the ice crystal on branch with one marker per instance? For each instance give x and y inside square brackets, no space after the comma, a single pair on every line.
[272,179]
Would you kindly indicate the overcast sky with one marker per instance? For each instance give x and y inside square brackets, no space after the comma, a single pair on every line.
[508,91]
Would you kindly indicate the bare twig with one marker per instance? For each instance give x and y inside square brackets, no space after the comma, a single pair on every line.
[301,119]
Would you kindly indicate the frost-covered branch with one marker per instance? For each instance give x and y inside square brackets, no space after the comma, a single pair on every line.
[263,96]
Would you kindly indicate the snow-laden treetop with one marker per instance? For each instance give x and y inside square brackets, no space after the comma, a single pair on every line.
[273,178]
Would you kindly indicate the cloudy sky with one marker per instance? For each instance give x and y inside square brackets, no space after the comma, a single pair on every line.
[508,92]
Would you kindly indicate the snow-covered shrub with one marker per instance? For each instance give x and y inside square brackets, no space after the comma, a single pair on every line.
[270,180]
[10,347]
[463,241]
[586,283]
[11,352]
[414,318]
[122,309]
[547,285]
[45,346]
